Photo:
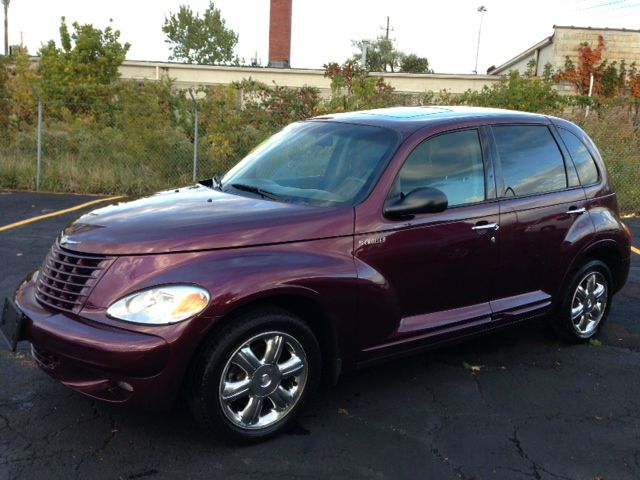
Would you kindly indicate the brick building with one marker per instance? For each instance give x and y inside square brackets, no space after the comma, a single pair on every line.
[280,34]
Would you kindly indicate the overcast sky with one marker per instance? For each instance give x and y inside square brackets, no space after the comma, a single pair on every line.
[446,32]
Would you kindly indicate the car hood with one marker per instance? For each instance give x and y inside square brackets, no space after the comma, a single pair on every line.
[199,218]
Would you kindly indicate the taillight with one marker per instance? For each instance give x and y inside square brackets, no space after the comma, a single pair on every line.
[628,232]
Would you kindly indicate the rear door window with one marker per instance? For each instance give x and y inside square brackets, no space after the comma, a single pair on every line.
[585,164]
[530,158]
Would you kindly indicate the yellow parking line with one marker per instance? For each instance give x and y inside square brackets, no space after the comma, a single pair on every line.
[56,213]
[635,250]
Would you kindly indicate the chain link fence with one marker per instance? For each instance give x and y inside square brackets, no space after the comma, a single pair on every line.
[624,168]
[92,147]
[137,140]
[617,135]
[17,152]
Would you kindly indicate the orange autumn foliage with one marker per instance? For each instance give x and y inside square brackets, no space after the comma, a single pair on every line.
[589,62]
[609,79]
[634,81]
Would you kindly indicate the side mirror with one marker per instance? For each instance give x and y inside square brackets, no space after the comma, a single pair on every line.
[420,200]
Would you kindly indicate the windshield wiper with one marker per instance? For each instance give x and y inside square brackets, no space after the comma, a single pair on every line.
[253,189]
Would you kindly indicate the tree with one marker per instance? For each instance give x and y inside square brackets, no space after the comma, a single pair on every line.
[20,89]
[589,64]
[5,107]
[196,39]
[517,92]
[634,81]
[352,88]
[382,56]
[412,63]
[86,61]
[610,79]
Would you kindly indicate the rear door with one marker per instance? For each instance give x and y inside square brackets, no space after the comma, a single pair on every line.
[541,201]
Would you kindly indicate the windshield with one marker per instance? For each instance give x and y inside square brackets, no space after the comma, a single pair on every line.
[317,163]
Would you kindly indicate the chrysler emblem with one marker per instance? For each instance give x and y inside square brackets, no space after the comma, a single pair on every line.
[64,240]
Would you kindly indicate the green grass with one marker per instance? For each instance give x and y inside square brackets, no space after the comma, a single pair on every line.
[101,161]
[68,173]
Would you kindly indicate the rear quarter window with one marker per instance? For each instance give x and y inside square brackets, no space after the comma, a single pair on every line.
[530,158]
[584,162]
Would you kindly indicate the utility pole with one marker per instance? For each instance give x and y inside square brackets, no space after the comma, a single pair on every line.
[482,9]
[6,26]
[387,29]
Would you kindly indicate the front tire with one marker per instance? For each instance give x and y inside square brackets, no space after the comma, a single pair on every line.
[586,303]
[250,379]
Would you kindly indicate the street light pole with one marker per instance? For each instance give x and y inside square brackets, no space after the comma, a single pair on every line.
[6,26]
[365,48]
[481,9]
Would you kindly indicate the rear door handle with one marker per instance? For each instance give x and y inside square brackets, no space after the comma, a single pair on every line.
[576,211]
[485,226]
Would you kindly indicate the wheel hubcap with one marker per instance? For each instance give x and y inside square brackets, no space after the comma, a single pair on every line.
[263,380]
[589,303]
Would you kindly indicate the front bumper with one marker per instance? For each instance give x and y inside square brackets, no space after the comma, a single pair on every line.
[101,361]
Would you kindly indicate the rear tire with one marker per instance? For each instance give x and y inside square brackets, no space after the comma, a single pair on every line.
[586,303]
[250,379]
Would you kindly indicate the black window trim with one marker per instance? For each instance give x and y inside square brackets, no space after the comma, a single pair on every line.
[599,180]
[488,164]
[568,161]
[498,164]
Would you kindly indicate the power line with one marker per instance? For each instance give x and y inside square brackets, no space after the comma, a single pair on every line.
[621,7]
[581,5]
[600,5]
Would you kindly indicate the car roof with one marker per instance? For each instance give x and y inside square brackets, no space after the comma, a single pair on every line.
[407,120]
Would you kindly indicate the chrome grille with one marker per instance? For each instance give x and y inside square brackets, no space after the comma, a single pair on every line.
[67,277]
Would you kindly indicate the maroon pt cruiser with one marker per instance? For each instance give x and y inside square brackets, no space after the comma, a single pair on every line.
[339,242]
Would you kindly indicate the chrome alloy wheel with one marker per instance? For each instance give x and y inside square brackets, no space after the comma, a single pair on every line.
[589,303]
[263,380]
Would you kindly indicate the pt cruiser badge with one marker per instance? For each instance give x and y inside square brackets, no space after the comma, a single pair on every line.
[371,241]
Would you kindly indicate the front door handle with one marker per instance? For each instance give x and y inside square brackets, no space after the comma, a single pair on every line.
[485,226]
[576,211]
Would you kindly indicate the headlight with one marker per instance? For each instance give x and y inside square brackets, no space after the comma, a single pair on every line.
[161,305]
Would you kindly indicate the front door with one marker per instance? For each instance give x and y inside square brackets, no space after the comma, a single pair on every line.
[437,268]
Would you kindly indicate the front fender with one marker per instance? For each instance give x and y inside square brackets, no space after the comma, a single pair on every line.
[321,270]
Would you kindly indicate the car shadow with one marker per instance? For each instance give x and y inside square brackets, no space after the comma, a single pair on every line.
[180,427]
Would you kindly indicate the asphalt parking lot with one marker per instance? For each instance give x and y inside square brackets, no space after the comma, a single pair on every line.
[515,405]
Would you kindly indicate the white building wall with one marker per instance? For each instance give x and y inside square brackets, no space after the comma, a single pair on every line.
[203,75]
[545,55]
[521,65]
